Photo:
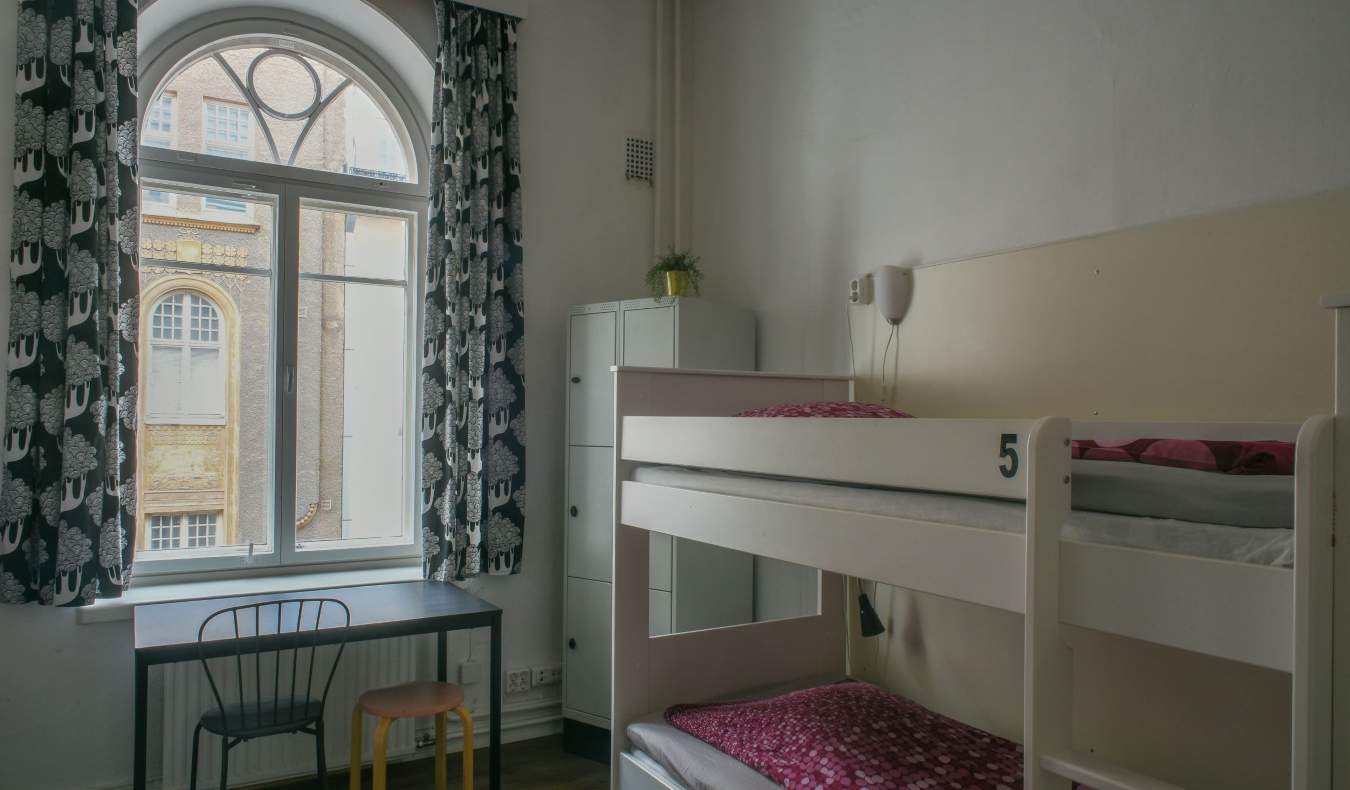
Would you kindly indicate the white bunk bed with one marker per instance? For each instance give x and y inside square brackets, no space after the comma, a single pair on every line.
[1275,617]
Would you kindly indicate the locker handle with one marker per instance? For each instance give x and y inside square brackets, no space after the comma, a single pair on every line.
[572,644]
[573,510]
[576,379]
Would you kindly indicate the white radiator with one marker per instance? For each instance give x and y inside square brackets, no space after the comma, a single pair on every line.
[364,665]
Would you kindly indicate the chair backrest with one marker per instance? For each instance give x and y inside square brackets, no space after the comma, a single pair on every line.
[292,639]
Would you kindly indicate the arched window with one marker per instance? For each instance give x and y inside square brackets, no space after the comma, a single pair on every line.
[186,381]
[294,105]
[283,220]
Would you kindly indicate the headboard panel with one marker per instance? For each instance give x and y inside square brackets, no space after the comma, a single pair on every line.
[1202,318]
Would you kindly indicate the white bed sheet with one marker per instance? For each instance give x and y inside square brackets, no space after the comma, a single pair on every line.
[1258,546]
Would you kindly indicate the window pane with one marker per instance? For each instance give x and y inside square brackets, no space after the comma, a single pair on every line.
[351,476]
[205,390]
[195,228]
[353,244]
[315,114]
[165,380]
[207,430]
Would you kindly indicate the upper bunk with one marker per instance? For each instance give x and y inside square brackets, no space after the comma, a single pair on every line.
[1215,605]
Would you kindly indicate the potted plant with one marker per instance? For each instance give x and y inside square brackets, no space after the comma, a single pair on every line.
[674,274]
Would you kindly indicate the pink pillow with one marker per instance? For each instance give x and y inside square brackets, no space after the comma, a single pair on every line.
[826,408]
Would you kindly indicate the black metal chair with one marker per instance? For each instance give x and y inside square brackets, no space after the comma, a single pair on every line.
[292,706]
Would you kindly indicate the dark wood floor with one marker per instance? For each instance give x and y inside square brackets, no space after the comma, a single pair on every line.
[526,765]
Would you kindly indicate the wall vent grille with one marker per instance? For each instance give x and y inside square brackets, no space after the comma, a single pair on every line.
[638,159]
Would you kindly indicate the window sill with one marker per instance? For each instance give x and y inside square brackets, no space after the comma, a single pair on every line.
[110,610]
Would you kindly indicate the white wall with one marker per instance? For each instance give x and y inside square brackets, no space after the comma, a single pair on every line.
[586,71]
[823,139]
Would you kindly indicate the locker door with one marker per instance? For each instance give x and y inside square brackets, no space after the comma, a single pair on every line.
[587,662]
[649,337]
[591,386]
[590,511]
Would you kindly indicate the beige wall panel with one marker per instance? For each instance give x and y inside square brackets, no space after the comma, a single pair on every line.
[1212,318]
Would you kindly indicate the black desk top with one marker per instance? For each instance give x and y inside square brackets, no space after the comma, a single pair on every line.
[168,631]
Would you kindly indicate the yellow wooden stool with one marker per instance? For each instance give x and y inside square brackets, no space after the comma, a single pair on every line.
[424,698]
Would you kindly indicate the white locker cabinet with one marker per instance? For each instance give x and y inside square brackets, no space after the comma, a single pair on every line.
[692,586]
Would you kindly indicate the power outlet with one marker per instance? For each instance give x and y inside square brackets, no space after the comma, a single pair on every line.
[860,289]
[548,676]
[517,681]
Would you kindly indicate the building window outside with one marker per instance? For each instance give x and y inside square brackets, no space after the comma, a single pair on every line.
[167,531]
[201,530]
[228,130]
[160,121]
[186,381]
[153,200]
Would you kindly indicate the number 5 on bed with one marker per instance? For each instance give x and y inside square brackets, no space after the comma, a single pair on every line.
[1007,449]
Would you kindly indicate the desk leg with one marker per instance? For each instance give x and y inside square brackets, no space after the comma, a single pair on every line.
[142,705]
[495,714]
[441,657]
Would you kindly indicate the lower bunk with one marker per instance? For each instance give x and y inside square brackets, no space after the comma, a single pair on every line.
[840,733]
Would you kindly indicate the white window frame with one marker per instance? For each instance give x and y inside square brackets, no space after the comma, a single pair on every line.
[183,346]
[282,189]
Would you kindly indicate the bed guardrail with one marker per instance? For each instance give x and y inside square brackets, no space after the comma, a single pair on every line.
[974,457]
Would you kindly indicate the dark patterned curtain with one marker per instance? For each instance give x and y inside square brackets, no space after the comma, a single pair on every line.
[473,345]
[67,517]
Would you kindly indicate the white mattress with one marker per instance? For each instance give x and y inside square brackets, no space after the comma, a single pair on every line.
[694,764]
[1259,546]
[697,765]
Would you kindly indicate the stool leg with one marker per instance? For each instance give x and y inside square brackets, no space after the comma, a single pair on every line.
[356,748]
[440,751]
[381,743]
[466,719]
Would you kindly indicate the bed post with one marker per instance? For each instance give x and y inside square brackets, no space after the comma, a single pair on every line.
[630,691]
[1314,625]
[1340,726]
[1047,681]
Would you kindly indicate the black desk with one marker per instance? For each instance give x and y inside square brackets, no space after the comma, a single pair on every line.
[167,633]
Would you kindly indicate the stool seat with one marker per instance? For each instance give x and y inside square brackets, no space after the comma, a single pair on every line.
[408,700]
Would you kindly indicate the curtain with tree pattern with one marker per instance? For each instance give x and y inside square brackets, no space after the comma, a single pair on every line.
[473,345]
[68,497]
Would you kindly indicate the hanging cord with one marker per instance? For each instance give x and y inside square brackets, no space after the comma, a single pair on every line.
[887,392]
[852,360]
[895,367]
[885,354]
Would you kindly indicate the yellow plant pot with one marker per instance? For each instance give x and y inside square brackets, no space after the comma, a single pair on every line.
[677,283]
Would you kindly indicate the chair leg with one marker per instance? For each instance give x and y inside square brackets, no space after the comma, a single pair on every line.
[440,751]
[466,719]
[196,743]
[356,748]
[319,755]
[381,743]
[224,762]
